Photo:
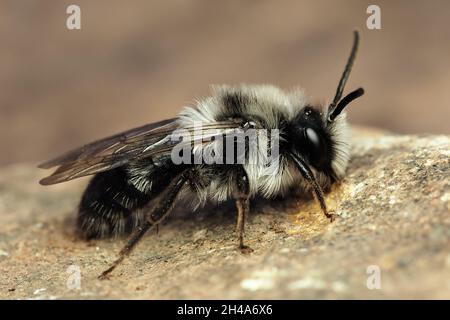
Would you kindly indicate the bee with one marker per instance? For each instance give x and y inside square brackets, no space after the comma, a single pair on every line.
[136,182]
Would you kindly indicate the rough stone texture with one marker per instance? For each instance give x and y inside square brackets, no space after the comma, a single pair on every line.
[393,209]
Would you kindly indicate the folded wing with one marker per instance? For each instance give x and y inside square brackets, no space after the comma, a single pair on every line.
[111,152]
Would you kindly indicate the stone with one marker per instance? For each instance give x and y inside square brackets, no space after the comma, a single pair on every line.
[390,239]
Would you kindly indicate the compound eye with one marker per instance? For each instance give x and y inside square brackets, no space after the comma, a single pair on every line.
[315,148]
[313,138]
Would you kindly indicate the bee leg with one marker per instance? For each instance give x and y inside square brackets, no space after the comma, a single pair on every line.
[241,195]
[161,210]
[317,190]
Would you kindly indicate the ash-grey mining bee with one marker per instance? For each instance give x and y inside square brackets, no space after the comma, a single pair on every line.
[135,167]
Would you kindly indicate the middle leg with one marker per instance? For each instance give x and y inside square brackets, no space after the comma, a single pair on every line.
[241,195]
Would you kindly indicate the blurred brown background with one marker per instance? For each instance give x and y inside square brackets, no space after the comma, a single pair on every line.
[140,61]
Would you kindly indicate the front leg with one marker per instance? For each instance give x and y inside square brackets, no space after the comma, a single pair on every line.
[306,172]
[241,195]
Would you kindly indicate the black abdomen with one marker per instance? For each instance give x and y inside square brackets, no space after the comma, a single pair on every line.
[108,205]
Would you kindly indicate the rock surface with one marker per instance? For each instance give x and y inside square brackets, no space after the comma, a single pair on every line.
[393,217]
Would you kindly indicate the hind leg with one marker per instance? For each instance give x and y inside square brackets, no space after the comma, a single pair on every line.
[110,205]
[161,210]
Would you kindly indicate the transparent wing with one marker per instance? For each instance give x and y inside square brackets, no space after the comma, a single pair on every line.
[111,152]
[98,146]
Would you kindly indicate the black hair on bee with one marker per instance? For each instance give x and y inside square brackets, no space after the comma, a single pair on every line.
[135,167]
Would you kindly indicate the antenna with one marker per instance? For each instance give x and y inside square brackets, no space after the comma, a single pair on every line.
[336,107]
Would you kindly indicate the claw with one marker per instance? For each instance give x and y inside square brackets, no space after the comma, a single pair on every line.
[103,276]
[245,249]
[331,216]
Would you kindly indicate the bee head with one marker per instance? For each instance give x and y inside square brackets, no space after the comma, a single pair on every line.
[321,137]
[313,139]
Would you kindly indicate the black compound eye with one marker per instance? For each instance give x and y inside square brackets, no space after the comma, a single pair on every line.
[313,138]
[315,147]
